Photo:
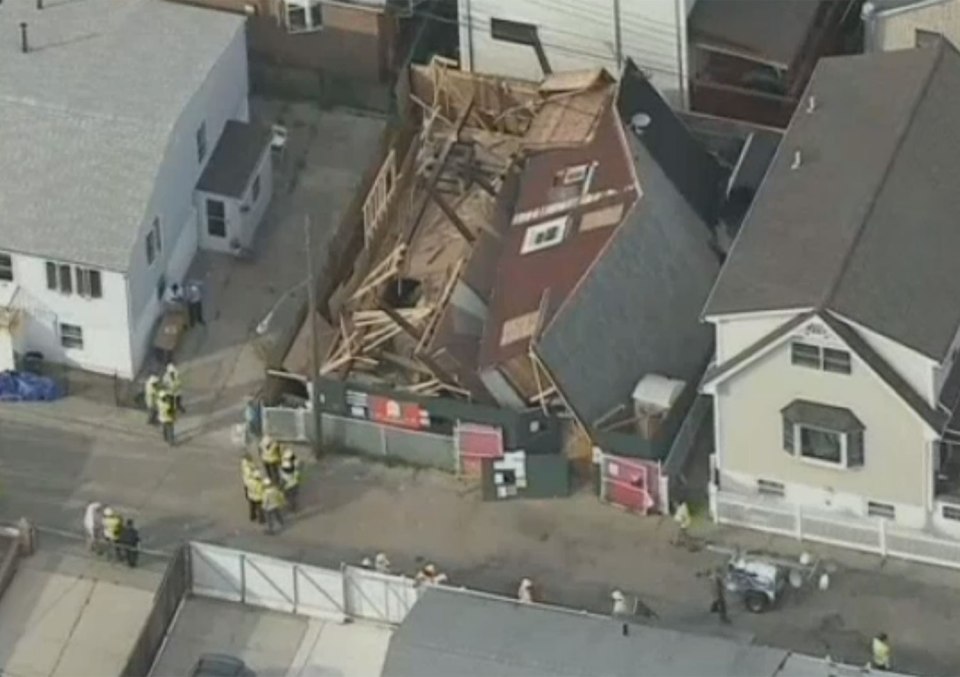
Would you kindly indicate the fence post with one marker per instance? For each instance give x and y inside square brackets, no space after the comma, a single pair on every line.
[798,518]
[882,533]
[296,589]
[243,578]
[383,439]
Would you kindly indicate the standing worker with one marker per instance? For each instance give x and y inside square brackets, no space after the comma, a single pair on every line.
[129,543]
[254,490]
[195,303]
[719,604]
[525,591]
[682,517]
[112,525]
[151,395]
[272,505]
[167,414]
[880,650]
[270,455]
[93,526]
[290,478]
[173,385]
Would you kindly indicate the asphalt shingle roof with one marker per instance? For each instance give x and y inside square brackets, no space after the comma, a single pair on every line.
[86,115]
[236,156]
[867,225]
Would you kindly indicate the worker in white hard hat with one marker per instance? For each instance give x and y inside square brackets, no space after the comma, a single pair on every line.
[381,563]
[430,576]
[525,592]
[112,525]
[290,478]
[620,607]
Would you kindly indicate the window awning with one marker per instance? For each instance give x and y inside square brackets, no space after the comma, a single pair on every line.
[823,416]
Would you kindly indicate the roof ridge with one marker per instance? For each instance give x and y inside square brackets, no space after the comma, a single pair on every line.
[831,291]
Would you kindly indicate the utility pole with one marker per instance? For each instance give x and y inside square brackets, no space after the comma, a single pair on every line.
[617,36]
[314,340]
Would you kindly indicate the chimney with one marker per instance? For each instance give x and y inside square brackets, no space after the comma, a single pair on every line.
[797,160]
[24,46]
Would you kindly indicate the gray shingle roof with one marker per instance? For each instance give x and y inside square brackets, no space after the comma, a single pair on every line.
[457,634]
[86,114]
[637,309]
[236,156]
[866,226]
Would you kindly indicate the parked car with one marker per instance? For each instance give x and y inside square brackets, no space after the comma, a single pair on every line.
[221,665]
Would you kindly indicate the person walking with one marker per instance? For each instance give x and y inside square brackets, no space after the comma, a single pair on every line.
[270,456]
[525,592]
[129,543]
[272,505]
[290,478]
[93,526]
[620,605]
[194,297]
[682,517]
[880,652]
[112,525]
[173,385]
[167,415]
[151,395]
[719,604]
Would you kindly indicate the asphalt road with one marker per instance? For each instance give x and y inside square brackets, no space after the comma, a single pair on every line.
[576,550]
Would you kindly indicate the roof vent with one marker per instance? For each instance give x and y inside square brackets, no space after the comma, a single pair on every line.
[811,103]
[797,159]
[640,122]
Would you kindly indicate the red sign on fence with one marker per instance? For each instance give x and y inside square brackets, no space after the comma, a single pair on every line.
[475,443]
[402,414]
[630,483]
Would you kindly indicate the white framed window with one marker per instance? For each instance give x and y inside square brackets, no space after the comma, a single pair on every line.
[89,283]
[6,267]
[823,434]
[951,512]
[544,235]
[71,336]
[59,277]
[303,16]
[884,510]
[817,357]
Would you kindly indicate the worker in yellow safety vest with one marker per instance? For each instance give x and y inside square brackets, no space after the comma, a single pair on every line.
[112,526]
[167,414]
[253,484]
[272,505]
[290,478]
[880,648]
[173,385]
[270,455]
[151,395]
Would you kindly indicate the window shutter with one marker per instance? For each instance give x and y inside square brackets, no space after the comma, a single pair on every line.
[789,444]
[855,449]
[51,275]
[96,290]
[82,286]
[66,279]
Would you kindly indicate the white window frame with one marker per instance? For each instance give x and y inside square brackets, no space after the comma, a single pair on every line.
[311,24]
[798,447]
[821,357]
[530,243]
[78,337]
[83,285]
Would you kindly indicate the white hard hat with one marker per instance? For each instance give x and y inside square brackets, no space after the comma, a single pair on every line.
[267,440]
[617,596]
[526,583]
[108,512]
[430,568]
[267,482]
[288,453]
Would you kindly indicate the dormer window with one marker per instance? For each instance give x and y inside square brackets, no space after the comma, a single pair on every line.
[303,16]
[544,235]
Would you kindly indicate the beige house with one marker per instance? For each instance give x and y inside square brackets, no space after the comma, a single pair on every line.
[902,24]
[837,314]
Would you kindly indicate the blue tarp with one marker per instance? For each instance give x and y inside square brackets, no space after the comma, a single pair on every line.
[18,386]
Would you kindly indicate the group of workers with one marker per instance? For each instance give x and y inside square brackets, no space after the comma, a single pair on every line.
[276,488]
[162,396]
[108,533]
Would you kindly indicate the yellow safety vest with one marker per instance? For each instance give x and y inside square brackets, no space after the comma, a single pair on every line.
[881,653]
[290,474]
[271,453]
[246,469]
[255,489]
[112,527]
[172,381]
[272,498]
[165,411]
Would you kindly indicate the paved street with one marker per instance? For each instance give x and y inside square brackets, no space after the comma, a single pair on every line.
[575,549]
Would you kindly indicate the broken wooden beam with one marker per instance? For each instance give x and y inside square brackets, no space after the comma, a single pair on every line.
[452,215]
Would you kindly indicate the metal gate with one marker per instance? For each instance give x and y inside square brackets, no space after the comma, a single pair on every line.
[378,597]
[475,443]
[629,482]
[287,424]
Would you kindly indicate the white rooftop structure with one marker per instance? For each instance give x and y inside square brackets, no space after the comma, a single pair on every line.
[86,113]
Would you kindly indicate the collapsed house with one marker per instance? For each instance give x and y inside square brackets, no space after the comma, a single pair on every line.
[532,252]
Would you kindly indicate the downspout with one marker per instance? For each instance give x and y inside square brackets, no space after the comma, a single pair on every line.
[680,12]
[617,36]
[468,26]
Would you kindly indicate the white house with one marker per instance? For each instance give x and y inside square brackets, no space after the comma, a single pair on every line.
[575,36]
[110,112]
[902,24]
[837,316]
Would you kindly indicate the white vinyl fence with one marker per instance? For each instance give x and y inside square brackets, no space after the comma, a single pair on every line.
[868,534]
[272,583]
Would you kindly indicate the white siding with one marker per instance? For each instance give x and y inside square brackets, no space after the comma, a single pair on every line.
[104,321]
[578,35]
[749,431]
[734,334]
[898,30]
[222,97]
[240,225]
